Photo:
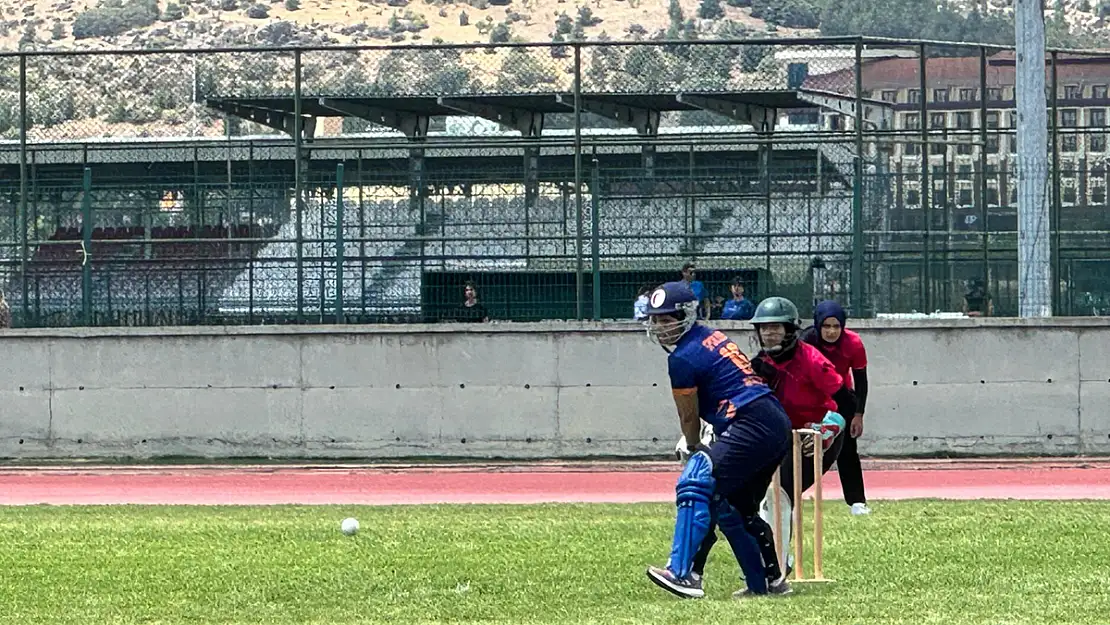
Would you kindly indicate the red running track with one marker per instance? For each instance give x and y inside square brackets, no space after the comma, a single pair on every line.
[533,484]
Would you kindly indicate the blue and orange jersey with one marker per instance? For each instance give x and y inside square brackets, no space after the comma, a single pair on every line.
[705,361]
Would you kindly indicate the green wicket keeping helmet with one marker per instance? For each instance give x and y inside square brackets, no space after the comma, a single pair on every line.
[777,310]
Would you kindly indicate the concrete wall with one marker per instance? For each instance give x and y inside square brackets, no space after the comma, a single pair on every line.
[990,386]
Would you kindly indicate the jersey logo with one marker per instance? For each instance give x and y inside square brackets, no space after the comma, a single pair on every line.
[658,297]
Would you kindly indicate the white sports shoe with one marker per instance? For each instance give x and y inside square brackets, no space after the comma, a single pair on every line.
[860,508]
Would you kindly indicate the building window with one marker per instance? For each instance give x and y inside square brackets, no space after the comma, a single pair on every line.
[1098,118]
[967,95]
[914,96]
[1069,118]
[940,95]
[992,196]
[913,121]
[940,197]
[1098,143]
[936,120]
[1073,92]
[963,121]
[1068,143]
[1098,195]
[913,198]
[963,149]
[992,120]
[994,94]
[965,197]
[992,144]
[890,96]
[938,149]
[964,172]
[1098,92]
[1069,195]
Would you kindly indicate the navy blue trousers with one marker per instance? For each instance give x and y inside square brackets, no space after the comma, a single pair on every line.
[748,451]
[745,457]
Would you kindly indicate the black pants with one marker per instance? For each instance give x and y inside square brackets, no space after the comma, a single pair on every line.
[851,472]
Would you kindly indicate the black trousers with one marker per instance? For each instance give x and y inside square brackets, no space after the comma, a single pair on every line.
[850,471]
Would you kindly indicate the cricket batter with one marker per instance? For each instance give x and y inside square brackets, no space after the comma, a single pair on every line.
[722,483]
[813,395]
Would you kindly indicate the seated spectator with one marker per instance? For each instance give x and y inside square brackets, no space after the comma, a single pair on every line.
[738,307]
[5,312]
[977,301]
[639,308]
[689,276]
[471,310]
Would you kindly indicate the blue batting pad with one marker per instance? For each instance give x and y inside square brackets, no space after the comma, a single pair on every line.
[695,494]
[744,547]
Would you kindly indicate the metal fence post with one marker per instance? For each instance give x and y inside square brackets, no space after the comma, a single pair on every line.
[595,234]
[983,195]
[926,191]
[86,245]
[298,182]
[23,252]
[580,247]
[856,295]
[1054,217]
[339,243]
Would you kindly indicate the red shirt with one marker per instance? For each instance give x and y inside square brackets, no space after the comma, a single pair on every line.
[846,354]
[806,384]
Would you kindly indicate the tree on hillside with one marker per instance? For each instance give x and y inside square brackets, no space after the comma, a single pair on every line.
[604,70]
[914,19]
[522,71]
[647,70]
[789,13]
[709,70]
[441,72]
[710,10]
[674,12]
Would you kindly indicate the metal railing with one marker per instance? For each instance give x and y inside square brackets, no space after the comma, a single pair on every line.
[163,186]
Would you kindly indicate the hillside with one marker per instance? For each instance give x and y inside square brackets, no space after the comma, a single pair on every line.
[160,95]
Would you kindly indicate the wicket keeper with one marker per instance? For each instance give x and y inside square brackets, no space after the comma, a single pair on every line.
[811,391]
[722,483]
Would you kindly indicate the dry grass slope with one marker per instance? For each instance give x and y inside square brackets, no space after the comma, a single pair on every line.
[73,98]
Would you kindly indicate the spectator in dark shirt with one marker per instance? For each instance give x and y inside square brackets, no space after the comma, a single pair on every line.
[738,307]
[471,310]
[977,301]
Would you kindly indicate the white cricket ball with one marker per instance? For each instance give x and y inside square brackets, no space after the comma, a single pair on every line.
[350,526]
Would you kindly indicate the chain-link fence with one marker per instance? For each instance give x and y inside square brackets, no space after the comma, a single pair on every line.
[543,181]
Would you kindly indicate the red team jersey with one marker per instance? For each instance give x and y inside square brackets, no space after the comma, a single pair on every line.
[846,354]
[806,384]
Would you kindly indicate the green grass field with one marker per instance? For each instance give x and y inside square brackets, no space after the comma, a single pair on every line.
[910,562]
